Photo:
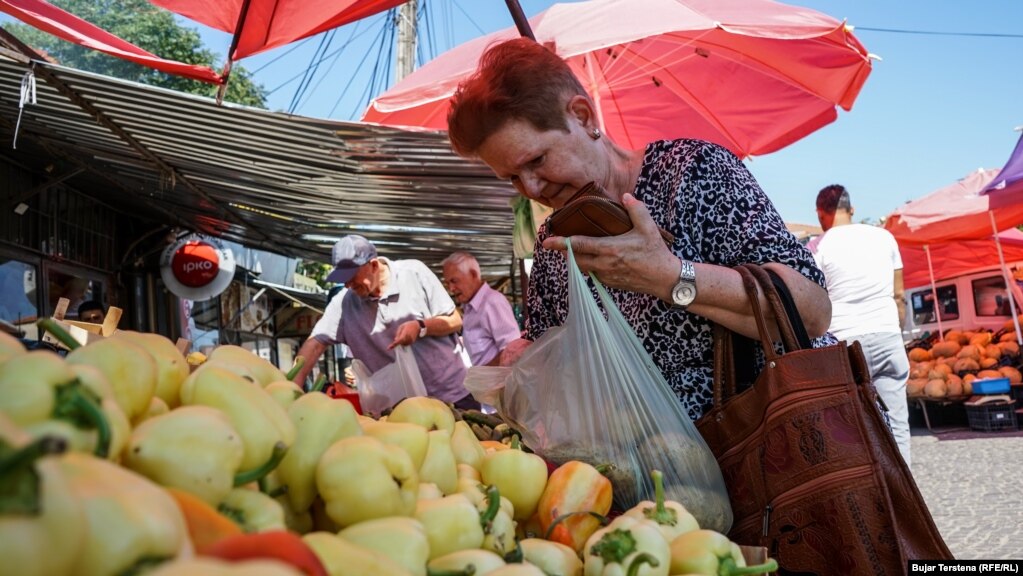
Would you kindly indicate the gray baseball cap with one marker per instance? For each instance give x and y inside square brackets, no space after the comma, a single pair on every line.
[349,253]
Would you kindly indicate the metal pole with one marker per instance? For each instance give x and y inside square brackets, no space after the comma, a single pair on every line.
[406,61]
[520,19]
[934,293]
[1005,276]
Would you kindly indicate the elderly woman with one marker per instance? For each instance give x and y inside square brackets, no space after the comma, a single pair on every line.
[526,116]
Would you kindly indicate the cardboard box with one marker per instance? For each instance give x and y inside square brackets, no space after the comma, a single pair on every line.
[83,332]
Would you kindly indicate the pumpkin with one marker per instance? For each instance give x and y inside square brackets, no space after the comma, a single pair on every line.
[919,355]
[1009,325]
[965,365]
[956,336]
[915,387]
[1012,374]
[970,352]
[955,385]
[981,339]
[936,389]
[968,384]
[1009,348]
[987,363]
[945,349]
[920,370]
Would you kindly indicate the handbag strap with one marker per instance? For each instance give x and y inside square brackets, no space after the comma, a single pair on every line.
[755,280]
[785,317]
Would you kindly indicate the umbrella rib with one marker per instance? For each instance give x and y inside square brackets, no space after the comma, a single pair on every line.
[678,87]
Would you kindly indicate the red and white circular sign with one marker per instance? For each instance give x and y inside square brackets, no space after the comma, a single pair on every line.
[197,268]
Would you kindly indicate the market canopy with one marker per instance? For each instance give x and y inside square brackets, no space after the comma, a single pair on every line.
[961,211]
[956,258]
[287,184]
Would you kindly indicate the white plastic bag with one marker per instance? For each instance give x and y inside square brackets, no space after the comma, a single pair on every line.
[381,390]
[589,391]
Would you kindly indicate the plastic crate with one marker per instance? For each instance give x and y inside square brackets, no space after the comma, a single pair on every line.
[992,416]
[991,386]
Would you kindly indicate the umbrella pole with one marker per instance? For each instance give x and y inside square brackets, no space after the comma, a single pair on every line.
[1005,275]
[520,19]
[226,73]
[934,293]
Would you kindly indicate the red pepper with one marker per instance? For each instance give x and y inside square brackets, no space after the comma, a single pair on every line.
[278,545]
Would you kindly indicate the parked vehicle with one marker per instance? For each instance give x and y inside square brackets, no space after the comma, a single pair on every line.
[973,300]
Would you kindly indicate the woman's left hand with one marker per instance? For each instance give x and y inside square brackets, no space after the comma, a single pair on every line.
[637,260]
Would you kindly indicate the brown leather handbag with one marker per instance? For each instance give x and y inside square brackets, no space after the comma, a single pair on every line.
[813,472]
[590,213]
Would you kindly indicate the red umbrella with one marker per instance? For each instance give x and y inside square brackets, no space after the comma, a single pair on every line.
[752,75]
[259,25]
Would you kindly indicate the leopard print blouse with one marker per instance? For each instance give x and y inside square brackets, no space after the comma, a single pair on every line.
[705,196]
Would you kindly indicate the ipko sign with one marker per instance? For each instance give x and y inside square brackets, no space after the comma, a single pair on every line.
[197,267]
[195,264]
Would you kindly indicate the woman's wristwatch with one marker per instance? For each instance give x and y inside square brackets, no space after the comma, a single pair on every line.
[684,291]
[422,327]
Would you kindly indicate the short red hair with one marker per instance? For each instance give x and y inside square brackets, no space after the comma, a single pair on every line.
[516,79]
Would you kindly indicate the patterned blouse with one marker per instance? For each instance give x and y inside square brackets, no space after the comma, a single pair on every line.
[705,196]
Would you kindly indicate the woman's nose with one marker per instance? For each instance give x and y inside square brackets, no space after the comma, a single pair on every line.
[529,186]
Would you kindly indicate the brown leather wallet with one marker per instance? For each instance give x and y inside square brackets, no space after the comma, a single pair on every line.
[590,213]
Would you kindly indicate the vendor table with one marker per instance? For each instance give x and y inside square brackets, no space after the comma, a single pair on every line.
[923,402]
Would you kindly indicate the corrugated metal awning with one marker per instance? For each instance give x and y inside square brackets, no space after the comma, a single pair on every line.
[287,184]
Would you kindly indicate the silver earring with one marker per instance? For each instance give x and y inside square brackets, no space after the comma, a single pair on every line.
[595,134]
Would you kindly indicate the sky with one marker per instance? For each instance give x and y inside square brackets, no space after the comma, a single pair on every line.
[943,100]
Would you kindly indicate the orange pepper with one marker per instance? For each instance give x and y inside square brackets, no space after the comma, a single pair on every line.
[579,489]
[206,526]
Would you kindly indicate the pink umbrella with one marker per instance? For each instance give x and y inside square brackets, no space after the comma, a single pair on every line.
[956,213]
[752,75]
[961,211]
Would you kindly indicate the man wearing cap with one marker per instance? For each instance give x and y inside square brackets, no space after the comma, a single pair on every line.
[393,303]
[489,323]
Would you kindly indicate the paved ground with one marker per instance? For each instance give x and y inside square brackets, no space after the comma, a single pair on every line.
[973,485]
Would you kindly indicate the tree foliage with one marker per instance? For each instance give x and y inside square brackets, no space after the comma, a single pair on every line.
[150,28]
[318,271]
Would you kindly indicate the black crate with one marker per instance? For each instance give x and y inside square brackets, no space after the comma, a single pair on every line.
[992,416]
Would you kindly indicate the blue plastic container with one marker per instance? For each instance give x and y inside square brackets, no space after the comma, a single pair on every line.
[991,386]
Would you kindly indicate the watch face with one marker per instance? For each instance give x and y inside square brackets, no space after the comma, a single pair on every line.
[683,294]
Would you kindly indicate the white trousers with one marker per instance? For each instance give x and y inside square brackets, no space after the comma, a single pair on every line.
[889,370]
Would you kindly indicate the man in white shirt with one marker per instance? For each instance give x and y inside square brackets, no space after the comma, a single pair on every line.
[863,268]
